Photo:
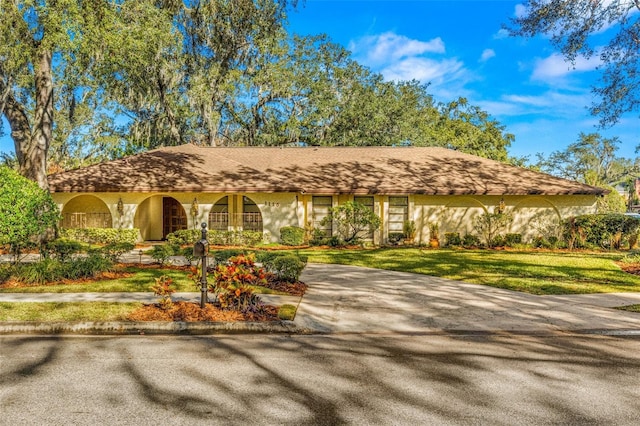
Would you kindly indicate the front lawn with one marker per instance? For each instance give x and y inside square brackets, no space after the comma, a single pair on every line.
[536,272]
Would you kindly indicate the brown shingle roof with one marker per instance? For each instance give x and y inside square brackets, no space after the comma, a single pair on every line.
[358,170]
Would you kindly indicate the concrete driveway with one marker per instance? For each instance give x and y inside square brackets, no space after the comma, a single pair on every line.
[349,299]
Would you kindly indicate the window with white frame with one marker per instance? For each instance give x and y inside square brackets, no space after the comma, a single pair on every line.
[321,209]
[398,213]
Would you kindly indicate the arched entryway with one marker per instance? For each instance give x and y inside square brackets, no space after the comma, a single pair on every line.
[158,216]
[86,211]
[174,217]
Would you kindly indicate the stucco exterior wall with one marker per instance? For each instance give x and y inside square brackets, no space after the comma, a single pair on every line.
[452,213]
[456,213]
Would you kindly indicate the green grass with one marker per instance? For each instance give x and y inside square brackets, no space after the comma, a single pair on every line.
[67,311]
[536,272]
[141,281]
[287,312]
[630,308]
[527,271]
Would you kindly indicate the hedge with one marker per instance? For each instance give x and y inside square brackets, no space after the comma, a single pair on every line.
[292,235]
[102,235]
[216,238]
[612,230]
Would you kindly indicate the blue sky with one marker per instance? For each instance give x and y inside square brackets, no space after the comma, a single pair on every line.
[459,48]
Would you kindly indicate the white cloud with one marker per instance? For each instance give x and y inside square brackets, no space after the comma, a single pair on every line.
[388,47]
[501,34]
[521,10]
[398,57]
[487,54]
[423,69]
[555,66]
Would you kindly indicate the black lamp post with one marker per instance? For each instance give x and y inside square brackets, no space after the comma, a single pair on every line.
[201,249]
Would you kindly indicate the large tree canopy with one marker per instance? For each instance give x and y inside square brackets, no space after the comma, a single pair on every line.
[572,25]
[58,56]
[127,76]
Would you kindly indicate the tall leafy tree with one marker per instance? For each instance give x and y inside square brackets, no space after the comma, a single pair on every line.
[571,25]
[593,160]
[52,53]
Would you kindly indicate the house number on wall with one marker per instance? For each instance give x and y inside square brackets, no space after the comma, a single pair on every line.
[271,204]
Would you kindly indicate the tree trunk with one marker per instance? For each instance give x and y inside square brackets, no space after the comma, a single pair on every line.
[32,141]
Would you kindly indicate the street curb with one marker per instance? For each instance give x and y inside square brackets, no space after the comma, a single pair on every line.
[117,328]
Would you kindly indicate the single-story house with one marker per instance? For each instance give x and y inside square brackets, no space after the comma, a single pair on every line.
[267,188]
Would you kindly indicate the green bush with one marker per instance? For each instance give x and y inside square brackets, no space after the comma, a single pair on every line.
[611,231]
[396,237]
[187,252]
[511,240]
[101,235]
[286,266]
[222,256]
[489,226]
[113,251]
[292,235]
[498,241]
[36,273]
[470,240]
[86,267]
[352,221]
[452,239]
[28,215]
[62,249]
[161,253]
[184,237]
[6,272]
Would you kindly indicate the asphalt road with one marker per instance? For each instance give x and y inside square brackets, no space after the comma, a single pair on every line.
[330,379]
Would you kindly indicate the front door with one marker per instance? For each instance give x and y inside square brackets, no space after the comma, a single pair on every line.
[173,215]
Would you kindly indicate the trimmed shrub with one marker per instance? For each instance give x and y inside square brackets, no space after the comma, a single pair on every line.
[287,267]
[470,240]
[452,239]
[62,249]
[511,240]
[113,251]
[498,241]
[161,253]
[101,235]
[292,235]
[222,256]
[184,237]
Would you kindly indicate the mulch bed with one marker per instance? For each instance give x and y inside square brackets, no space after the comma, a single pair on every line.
[191,312]
[630,268]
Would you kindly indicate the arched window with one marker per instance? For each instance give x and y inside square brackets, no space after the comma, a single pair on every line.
[251,216]
[219,215]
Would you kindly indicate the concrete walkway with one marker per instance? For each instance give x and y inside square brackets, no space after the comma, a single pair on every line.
[349,299]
